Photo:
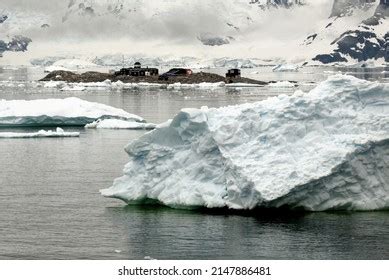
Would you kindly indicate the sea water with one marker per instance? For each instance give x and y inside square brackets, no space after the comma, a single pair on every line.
[50,206]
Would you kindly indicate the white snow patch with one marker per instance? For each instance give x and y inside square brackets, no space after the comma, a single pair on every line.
[326,149]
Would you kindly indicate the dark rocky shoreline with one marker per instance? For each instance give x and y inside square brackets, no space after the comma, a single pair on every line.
[195,78]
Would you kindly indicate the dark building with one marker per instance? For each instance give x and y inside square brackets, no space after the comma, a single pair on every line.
[137,71]
[233,73]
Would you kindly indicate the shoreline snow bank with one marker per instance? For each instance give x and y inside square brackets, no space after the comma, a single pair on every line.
[323,150]
[70,111]
[52,68]
[58,133]
[119,85]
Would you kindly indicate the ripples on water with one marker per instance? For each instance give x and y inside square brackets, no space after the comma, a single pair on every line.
[51,209]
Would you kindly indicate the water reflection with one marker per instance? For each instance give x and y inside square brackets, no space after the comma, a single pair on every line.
[370,74]
[165,233]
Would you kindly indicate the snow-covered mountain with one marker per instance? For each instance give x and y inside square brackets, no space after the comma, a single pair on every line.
[339,31]
[277,3]
[366,37]
[15,44]
[343,8]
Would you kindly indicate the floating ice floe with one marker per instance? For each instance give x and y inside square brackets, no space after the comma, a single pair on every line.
[58,112]
[40,134]
[286,68]
[119,124]
[200,85]
[73,88]
[323,150]
[243,85]
[54,84]
[283,84]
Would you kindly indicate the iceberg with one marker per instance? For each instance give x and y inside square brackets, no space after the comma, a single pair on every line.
[119,124]
[286,68]
[323,150]
[40,134]
[70,111]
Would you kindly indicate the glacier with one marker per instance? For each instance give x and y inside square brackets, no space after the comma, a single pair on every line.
[70,111]
[323,150]
[58,133]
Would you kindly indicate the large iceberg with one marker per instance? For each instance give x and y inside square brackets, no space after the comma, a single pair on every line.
[323,150]
[70,111]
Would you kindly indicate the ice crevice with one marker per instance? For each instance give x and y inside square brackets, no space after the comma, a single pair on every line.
[323,150]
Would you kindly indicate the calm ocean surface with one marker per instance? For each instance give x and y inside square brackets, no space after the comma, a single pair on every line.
[50,206]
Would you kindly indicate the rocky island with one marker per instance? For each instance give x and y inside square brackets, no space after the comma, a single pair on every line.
[194,78]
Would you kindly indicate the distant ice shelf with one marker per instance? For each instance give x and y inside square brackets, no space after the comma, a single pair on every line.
[323,150]
[58,133]
[70,111]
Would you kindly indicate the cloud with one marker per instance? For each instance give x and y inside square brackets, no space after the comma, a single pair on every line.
[163,25]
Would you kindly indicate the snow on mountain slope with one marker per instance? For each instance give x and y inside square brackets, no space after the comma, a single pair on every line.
[356,32]
[323,150]
[339,31]
[265,4]
[203,29]
[343,8]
